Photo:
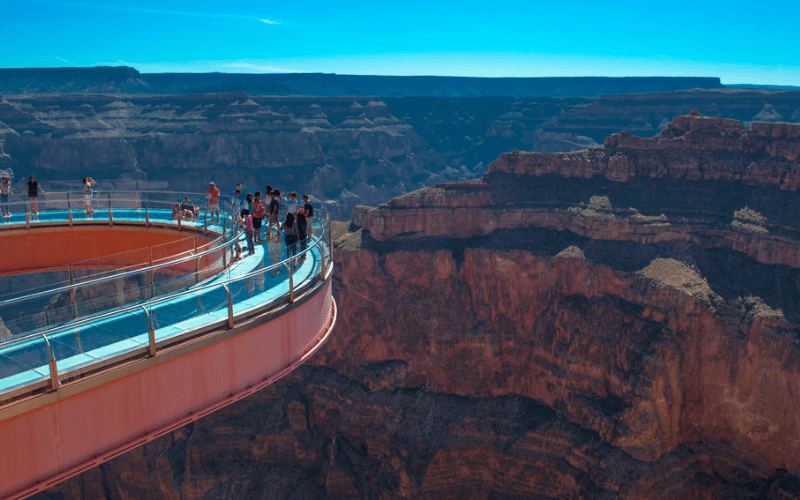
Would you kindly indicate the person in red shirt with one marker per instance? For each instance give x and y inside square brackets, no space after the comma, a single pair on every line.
[258,216]
[212,195]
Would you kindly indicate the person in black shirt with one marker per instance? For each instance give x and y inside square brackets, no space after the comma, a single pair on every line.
[302,232]
[308,208]
[33,194]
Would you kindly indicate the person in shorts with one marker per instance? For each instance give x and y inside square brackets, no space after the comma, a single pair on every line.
[212,195]
[33,194]
[88,193]
[258,216]
[247,225]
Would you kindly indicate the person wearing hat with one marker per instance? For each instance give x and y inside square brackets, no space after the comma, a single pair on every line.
[212,195]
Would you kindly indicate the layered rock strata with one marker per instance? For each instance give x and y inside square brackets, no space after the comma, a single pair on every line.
[552,330]
[341,150]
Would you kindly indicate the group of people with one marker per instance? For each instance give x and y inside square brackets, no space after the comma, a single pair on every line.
[285,216]
[34,188]
[288,217]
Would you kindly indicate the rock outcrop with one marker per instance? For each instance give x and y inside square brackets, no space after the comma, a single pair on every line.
[551,330]
[341,150]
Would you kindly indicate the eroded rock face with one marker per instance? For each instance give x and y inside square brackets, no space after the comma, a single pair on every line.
[534,334]
[342,150]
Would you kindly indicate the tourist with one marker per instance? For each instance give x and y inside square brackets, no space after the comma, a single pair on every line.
[309,213]
[290,239]
[292,204]
[258,216]
[5,191]
[302,232]
[236,203]
[275,249]
[33,194]
[212,195]
[88,193]
[274,214]
[248,203]
[188,210]
[249,229]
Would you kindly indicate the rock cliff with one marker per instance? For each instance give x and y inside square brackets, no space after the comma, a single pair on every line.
[566,326]
[342,150]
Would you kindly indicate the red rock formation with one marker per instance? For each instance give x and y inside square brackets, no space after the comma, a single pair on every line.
[545,332]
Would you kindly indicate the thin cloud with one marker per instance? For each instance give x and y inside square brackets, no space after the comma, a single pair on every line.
[64,60]
[163,12]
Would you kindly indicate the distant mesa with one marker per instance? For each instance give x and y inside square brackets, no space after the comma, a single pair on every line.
[128,80]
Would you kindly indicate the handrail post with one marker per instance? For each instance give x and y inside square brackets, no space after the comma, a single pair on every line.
[110,215]
[205,219]
[151,333]
[291,282]
[28,217]
[322,255]
[74,303]
[230,306]
[147,216]
[196,262]
[152,272]
[55,384]
[70,217]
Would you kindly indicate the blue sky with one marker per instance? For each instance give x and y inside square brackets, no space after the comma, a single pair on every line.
[741,42]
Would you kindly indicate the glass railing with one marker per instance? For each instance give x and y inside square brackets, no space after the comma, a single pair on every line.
[49,207]
[87,287]
[140,319]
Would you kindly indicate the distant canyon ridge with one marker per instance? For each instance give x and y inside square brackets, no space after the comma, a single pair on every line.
[62,124]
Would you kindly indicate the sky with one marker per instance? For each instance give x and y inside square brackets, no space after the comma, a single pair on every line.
[742,42]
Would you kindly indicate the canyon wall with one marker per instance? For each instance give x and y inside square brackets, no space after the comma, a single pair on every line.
[340,150]
[344,151]
[567,326]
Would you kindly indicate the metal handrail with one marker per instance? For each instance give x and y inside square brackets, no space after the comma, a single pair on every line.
[152,348]
[317,241]
[123,274]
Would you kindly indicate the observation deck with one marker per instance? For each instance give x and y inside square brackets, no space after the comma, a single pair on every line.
[120,326]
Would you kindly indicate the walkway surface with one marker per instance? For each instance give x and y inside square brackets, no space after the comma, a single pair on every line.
[98,383]
[254,281]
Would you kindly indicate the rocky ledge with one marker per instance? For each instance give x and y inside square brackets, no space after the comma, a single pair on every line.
[554,329]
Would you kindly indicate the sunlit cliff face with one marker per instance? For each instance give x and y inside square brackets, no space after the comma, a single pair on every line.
[620,322]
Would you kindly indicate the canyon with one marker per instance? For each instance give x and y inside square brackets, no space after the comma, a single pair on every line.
[620,321]
[548,295]
[343,151]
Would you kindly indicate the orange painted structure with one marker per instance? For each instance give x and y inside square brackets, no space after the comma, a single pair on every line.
[55,247]
[63,433]
[85,417]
